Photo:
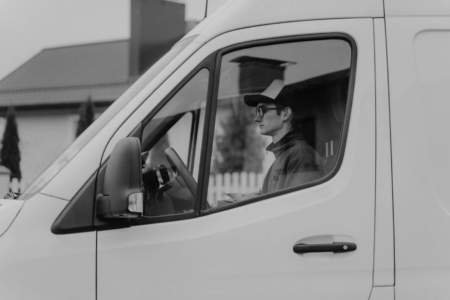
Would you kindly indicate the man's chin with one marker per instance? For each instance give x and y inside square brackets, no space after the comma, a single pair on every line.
[262,131]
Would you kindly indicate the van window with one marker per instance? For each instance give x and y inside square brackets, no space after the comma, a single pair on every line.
[171,142]
[279,119]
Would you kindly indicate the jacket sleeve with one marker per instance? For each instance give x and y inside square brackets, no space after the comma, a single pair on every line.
[300,171]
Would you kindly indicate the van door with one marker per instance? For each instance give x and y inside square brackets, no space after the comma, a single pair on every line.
[215,224]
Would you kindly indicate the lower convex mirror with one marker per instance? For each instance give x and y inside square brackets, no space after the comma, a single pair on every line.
[122,194]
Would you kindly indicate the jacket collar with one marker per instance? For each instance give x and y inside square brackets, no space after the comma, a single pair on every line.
[286,142]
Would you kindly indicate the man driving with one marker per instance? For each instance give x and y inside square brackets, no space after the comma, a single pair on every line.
[278,113]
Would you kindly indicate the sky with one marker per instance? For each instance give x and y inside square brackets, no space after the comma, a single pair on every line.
[28,26]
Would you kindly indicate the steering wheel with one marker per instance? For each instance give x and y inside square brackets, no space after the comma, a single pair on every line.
[181,169]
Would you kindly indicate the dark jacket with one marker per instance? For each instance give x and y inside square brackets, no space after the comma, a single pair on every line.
[296,163]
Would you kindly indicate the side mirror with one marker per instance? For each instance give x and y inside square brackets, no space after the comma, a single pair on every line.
[123,193]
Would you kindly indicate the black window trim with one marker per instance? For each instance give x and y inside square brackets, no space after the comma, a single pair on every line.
[192,140]
[205,210]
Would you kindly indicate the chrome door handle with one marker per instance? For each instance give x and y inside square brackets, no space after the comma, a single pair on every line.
[336,247]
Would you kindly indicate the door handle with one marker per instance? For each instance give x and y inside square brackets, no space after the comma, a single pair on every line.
[336,247]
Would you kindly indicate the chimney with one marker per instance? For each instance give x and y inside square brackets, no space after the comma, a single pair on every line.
[156,25]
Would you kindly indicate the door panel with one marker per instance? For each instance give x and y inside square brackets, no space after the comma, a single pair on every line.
[37,264]
[419,85]
[247,252]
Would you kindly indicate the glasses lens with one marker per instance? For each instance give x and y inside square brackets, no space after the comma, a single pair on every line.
[260,111]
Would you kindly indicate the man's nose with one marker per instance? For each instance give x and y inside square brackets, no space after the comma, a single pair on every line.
[257,118]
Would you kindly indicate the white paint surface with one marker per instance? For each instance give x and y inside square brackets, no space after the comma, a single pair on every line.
[36,264]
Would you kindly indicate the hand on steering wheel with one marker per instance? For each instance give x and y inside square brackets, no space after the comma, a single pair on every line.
[180,168]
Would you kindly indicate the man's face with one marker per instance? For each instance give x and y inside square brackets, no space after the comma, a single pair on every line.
[271,123]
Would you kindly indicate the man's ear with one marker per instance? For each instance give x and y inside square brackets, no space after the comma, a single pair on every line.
[287,113]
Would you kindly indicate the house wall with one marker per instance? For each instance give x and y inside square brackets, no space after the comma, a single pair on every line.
[42,139]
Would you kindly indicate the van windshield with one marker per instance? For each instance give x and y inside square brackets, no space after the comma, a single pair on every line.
[41,181]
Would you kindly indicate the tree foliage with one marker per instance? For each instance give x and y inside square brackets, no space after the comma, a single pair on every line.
[10,152]
[240,147]
[87,112]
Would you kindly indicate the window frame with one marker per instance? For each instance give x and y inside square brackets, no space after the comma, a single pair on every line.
[205,210]
[192,140]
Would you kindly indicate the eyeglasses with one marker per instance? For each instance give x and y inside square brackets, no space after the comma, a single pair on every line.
[261,111]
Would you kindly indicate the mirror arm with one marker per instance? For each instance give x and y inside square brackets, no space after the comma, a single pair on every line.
[135,207]
[103,208]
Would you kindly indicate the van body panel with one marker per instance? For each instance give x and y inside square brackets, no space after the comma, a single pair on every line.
[384,222]
[419,84]
[213,5]
[234,15]
[246,252]
[382,293]
[8,212]
[36,264]
[397,8]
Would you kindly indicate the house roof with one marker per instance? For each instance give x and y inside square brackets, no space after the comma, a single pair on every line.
[69,75]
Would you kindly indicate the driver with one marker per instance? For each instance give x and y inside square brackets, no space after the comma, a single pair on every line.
[278,112]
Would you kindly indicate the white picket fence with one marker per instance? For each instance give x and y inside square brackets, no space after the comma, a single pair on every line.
[244,182]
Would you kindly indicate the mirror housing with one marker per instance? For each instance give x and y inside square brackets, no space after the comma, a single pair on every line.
[123,193]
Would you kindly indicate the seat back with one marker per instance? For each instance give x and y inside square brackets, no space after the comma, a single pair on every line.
[322,126]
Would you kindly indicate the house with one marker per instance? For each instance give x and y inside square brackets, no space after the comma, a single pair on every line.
[47,90]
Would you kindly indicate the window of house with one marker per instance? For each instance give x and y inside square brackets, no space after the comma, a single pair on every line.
[171,142]
[279,119]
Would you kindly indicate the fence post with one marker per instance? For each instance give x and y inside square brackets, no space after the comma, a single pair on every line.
[252,186]
[235,187]
[211,186]
[244,183]
[226,185]
[15,186]
[219,185]
[212,199]
[259,180]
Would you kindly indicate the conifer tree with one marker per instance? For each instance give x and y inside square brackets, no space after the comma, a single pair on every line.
[240,148]
[10,153]
[87,112]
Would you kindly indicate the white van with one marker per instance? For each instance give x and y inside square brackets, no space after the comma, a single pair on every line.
[141,204]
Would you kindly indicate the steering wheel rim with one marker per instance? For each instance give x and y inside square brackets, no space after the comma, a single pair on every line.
[181,169]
